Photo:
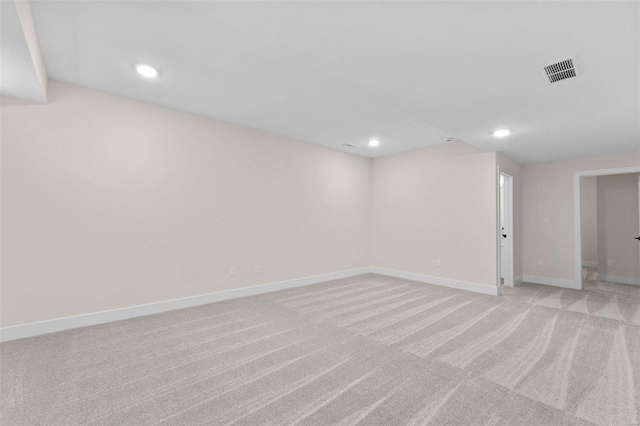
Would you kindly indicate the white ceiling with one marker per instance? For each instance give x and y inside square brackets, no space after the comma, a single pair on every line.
[329,73]
[20,59]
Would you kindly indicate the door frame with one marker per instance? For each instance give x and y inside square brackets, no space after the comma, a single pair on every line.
[509,278]
[577,226]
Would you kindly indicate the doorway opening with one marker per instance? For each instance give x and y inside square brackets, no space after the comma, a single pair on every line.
[618,233]
[610,229]
[506,229]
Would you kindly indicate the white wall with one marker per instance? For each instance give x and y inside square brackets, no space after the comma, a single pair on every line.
[547,191]
[589,219]
[437,204]
[617,228]
[109,202]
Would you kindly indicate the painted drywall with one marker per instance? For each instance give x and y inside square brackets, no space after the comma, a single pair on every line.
[23,71]
[26,20]
[515,169]
[109,203]
[589,219]
[618,226]
[547,191]
[436,204]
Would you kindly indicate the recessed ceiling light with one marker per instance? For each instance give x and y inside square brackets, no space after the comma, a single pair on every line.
[374,142]
[146,71]
[501,133]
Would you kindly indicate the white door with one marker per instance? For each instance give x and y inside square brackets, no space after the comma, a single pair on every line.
[506,229]
[503,260]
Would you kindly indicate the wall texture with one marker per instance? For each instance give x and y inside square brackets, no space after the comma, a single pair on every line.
[617,227]
[437,204]
[109,202]
[547,191]
[589,219]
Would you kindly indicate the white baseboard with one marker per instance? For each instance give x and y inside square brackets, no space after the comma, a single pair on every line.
[556,282]
[620,280]
[85,320]
[519,280]
[61,324]
[445,282]
[586,264]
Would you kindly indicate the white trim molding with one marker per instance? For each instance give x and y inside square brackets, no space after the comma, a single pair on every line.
[577,229]
[444,282]
[509,279]
[556,282]
[85,320]
[587,264]
[619,280]
[519,280]
[68,323]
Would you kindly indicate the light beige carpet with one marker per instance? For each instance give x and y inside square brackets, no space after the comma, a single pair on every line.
[364,350]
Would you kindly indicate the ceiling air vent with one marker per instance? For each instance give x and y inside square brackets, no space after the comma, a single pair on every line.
[561,70]
[350,145]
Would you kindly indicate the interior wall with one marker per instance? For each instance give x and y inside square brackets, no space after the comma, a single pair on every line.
[515,169]
[437,204]
[618,225]
[109,202]
[113,203]
[589,220]
[547,192]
